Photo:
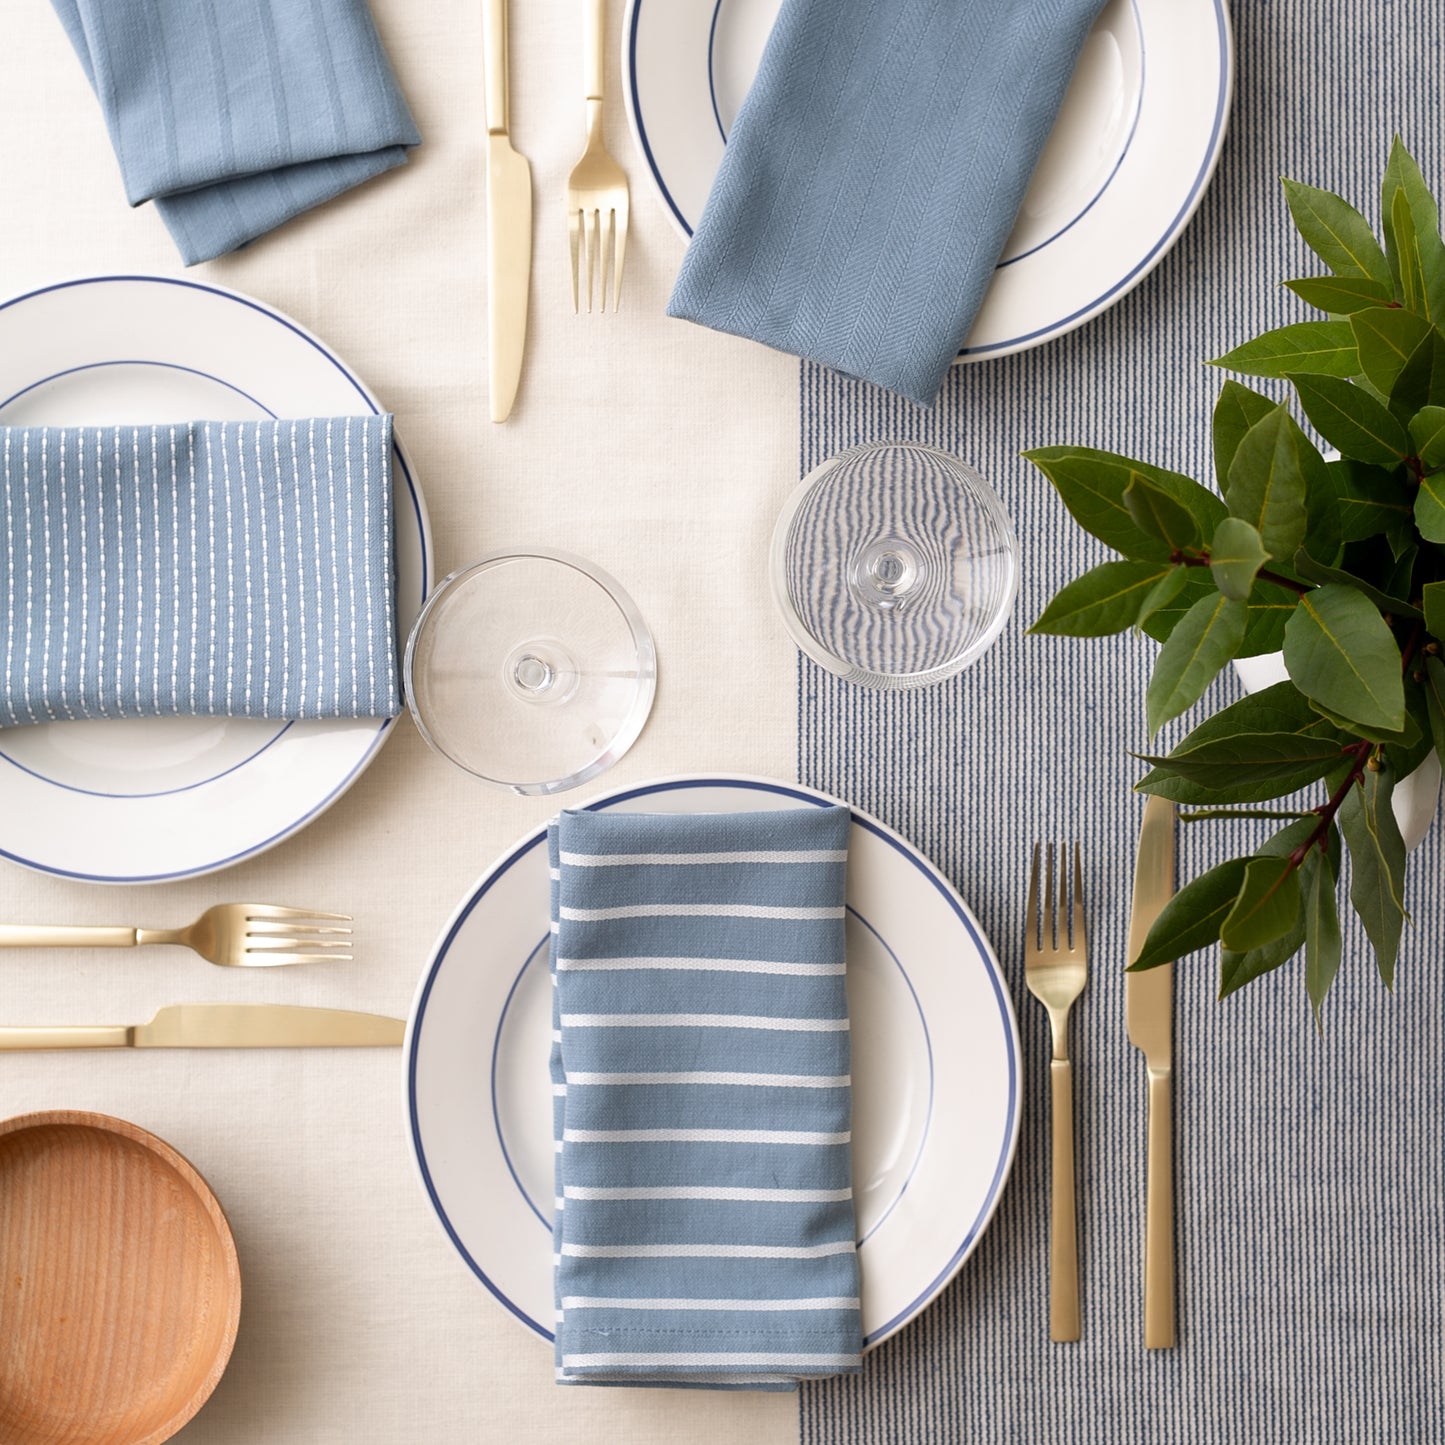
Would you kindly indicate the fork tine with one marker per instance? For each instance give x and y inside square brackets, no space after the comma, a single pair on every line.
[1081,941]
[268,958]
[1031,909]
[1050,919]
[274,910]
[266,927]
[594,246]
[574,237]
[619,246]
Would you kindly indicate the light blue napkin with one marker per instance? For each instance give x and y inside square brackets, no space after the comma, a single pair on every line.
[702,1100]
[873,176]
[236,115]
[237,569]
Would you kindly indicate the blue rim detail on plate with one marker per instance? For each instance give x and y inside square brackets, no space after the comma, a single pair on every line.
[385,725]
[1063,324]
[897,963]
[814,799]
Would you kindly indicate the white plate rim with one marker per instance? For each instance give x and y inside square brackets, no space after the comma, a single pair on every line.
[1052,330]
[428,567]
[518,851]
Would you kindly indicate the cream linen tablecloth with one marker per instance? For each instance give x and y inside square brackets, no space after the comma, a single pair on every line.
[359,1323]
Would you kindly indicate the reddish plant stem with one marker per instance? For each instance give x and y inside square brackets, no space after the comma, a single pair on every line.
[1327,810]
[1181,558]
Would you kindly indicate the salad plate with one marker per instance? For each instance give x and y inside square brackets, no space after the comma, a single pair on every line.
[935,1065]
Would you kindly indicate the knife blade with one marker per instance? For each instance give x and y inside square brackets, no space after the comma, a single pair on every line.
[509,225]
[1149,1007]
[220,1026]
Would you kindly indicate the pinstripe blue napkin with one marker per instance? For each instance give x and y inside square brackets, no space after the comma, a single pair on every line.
[234,116]
[702,1101]
[204,568]
[873,175]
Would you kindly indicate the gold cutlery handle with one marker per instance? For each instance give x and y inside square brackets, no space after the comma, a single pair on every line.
[1063,1236]
[27,935]
[1159,1217]
[494,49]
[71,1036]
[594,47]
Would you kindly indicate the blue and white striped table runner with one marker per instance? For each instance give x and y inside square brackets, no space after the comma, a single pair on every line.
[238,569]
[1310,1172]
[702,1101]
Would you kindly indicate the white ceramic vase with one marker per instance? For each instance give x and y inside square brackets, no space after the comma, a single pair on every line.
[1415,799]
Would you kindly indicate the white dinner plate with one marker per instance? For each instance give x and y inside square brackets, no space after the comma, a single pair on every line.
[1135,144]
[144,800]
[935,1065]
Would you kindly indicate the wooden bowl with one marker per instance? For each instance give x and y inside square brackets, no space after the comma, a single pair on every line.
[119,1287]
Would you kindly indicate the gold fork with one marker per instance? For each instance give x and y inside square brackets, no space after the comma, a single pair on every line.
[1056,956]
[597,187]
[232,935]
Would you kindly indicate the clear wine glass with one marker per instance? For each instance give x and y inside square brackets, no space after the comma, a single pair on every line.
[894,565]
[532,669]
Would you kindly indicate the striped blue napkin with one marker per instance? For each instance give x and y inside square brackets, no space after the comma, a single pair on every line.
[873,176]
[704,1230]
[233,117]
[237,569]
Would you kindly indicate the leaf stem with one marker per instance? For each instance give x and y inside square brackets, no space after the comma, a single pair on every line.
[1360,751]
[1201,815]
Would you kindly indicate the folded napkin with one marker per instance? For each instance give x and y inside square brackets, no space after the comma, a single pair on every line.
[236,115]
[873,175]
[214,568]
[702,1102]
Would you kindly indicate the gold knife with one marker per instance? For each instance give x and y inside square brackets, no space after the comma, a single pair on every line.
[1149,1004]
[509,224]
[220,1026]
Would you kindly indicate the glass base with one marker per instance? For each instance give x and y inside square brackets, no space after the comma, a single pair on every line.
[532,670]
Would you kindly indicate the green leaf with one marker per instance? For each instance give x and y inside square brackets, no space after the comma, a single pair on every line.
[1192,918]
[1340,295]
[1433,595]
[1407,755]
[1168,587]
[1421,381]
[1235,556]
[1317,346]
[1237,409]
[1238,969]
[1313,571]
[1339,652]
[1412,235]
[1092,486]
[1323,945]
[1377,866]
[1352,421]
[1156,512]
[1430,508]
[1270,609]
[1336,232]
[1401,737]
[1427,434]
[1105,599]
[1204,641]
[1369,500]
[1268,481]
[1266,908]
[1435,701]
[1168,614]
[1286,760]
[1386,337]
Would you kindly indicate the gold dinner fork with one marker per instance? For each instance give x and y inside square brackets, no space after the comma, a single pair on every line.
[1056,958]
[232,935]
[597,187]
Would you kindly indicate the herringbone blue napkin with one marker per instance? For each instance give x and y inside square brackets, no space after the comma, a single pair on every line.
[704,1230]
[234,117]
[873,175]
[236,569]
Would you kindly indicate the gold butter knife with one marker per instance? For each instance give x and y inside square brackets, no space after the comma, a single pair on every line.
[1149,1004]
[219,1026]
[509,224]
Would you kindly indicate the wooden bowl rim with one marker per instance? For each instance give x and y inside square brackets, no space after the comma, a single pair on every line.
[108,1123]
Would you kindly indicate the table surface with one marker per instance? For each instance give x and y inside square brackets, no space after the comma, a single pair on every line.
[359,1322]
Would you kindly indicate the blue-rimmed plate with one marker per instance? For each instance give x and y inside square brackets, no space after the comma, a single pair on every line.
[142,800]
[935,1065]
[1133,150]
